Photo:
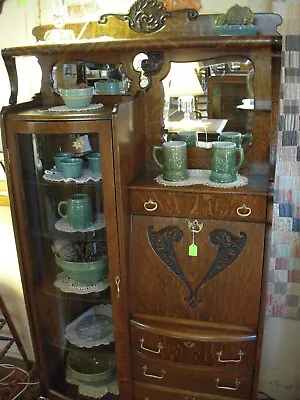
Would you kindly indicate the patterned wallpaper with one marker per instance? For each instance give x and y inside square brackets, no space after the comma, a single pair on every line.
[284,272]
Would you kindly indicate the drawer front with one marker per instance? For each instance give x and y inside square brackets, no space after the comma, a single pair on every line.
[144,391]
[193,205]
[231,382]
[202,353]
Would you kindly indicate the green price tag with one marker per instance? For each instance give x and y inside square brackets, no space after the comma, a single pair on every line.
[193,250]
[22,2]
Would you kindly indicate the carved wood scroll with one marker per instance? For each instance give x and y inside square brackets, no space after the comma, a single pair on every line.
[162,243]
[147,16]
[229,249]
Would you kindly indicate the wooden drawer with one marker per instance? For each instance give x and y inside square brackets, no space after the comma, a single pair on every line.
[229,353]
[231,382]
[198,205]
[144,391]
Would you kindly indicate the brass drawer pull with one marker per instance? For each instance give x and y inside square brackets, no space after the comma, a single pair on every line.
[150,205]
[237,360]
[189,345]
[243,211]
[227,387]
[159,347]
[163,373]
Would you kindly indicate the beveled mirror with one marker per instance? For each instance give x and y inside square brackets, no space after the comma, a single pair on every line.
[106,79]
[209,97]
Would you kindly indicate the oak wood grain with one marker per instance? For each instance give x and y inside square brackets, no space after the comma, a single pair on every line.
[198,205]
[151,302]
[154,392]
[193,378]
[233,297]
[197,352]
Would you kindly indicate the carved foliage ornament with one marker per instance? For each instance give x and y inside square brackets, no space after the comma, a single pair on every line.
[162,243]
[147,16]
[229,249]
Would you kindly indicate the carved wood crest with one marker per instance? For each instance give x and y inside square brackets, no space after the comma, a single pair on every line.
[148,16]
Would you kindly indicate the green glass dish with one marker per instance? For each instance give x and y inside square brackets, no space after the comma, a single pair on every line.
[84,272]
[236,30]
[114,87]
[77,97]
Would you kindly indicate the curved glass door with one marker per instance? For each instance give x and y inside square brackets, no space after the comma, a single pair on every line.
[69,261]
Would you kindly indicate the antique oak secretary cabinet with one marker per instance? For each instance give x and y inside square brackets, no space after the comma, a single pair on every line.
[178,327]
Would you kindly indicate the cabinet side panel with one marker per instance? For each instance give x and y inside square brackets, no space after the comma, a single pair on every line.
[128,147]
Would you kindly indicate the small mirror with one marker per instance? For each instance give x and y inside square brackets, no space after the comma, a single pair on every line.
[106,79]
[208,97]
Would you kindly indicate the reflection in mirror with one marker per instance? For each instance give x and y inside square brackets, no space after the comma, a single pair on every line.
[106,79]
[208,97]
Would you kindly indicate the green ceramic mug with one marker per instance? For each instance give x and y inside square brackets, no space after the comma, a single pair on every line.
[237,138]
[78,211]
[58,157]
[189,137]
[71,167]
[174,164]
[224,167]
[95,162]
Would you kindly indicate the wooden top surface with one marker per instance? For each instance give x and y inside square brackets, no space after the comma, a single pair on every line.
[143,44]
[178,32]
[258,183]
[43,114]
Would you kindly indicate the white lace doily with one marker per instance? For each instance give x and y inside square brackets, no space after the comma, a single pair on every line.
[201,177]
[63,225]
[67,109]
[68,285]
[55,176]
[86,330]
[95,391]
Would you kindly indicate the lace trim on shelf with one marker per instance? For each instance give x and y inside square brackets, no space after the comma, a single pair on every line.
[67,109]
[63,225]
[68,285]
[53,175]
[95,391]
[201,177]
